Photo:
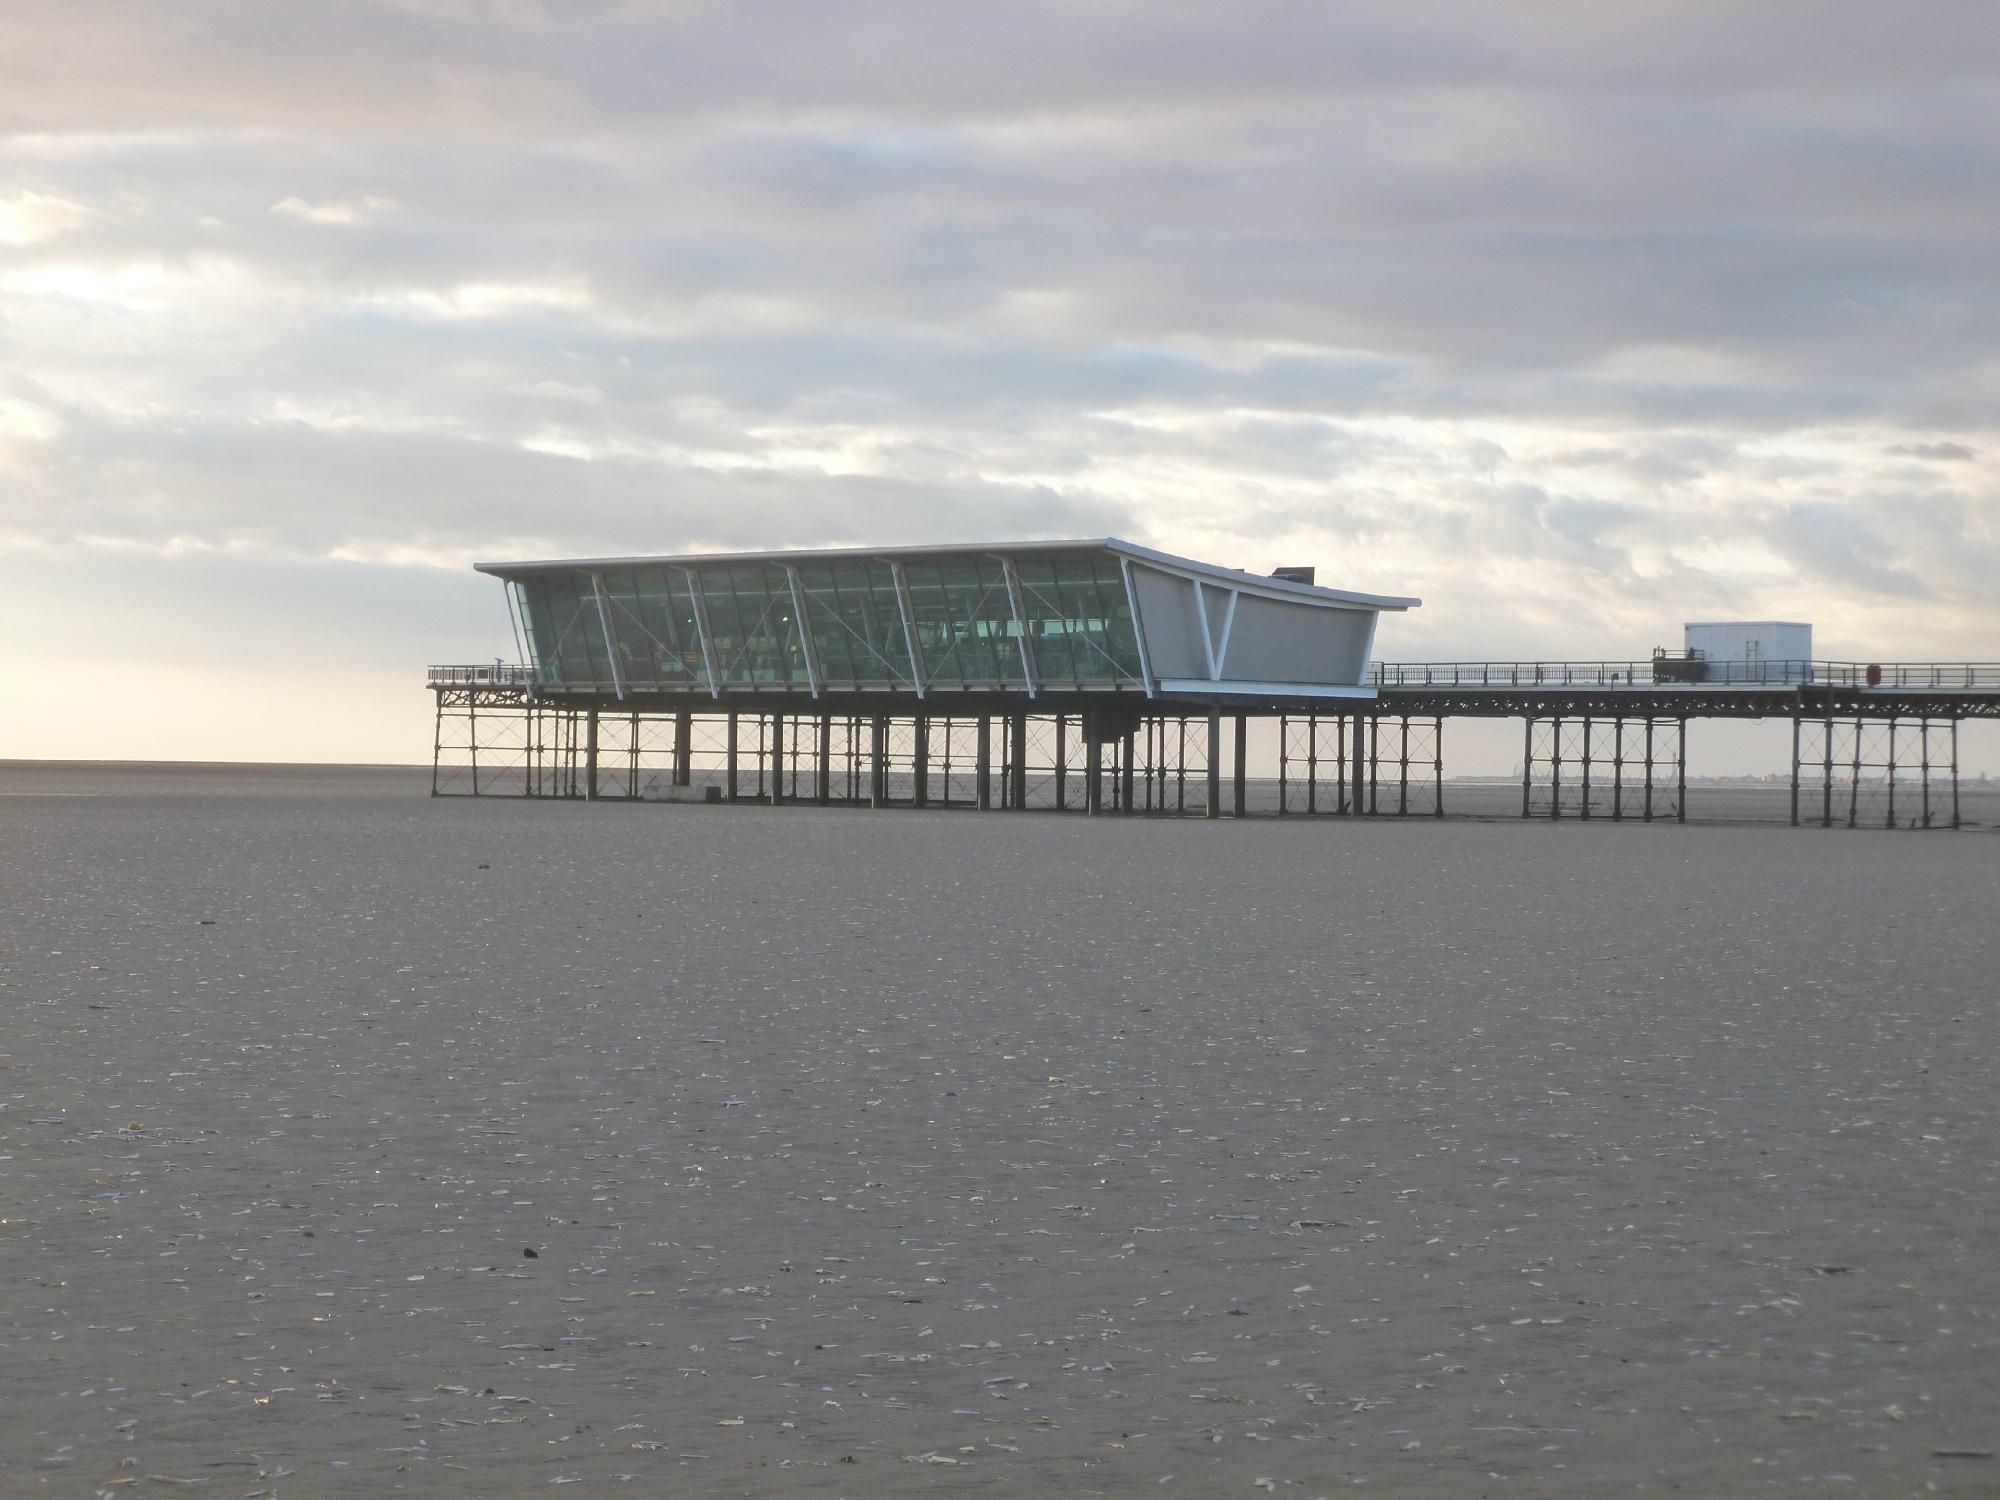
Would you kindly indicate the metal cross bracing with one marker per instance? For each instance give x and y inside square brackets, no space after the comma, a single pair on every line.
[1353,764]
[500,741]
[1617,768]
[1875,773]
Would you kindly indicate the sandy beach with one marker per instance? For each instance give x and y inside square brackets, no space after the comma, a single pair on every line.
[354,1142]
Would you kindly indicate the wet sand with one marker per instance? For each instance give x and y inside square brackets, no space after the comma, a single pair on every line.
[354,1142]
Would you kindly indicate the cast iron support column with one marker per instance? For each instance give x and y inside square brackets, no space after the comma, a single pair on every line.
[1954,773]
[1924,756]
[1889,820]
[589,760]
[1618,769]
[1358,765]
[1854,780]
[983,765]
[1402,765]
[1795,770]
[1313,765]
[1214,763]
[920,762]
[1374,764]
[1126,765]
[1242,766]
[1528,769]
[1017,755]
[823,760]
[1681,772]
[1826,786]
[1649,768]
[730,748]
[1437,767]
[777,759]
[1062,761]
[683,748]
[1093,764]
[878,761]
[1555,768]
[437,740]
[1586,770]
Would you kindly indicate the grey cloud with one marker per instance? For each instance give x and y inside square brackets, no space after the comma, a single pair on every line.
[1941,452]
[1567,289]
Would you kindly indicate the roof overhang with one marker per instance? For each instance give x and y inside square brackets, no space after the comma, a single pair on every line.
[1187,567]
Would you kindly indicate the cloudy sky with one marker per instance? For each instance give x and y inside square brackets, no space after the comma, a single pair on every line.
[1578,320]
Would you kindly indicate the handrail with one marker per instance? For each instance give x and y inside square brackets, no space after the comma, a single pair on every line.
[485,674]
[1682,671]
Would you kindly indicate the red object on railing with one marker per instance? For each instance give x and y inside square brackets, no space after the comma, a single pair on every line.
[1874,674]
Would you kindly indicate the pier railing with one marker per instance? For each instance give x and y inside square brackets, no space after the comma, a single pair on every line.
[1667,671]
[486,674]
[1679,671]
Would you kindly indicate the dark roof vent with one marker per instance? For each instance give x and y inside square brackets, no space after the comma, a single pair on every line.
[1293,575]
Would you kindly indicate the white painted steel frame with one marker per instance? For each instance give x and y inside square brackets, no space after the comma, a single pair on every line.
[804,626]
[1138,627]
[1014,603]
[700,602]
[610,641]
[908,612]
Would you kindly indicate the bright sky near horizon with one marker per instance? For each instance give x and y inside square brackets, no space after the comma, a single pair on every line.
[1578,320]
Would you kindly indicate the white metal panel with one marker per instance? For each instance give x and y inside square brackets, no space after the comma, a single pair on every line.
[1750,640]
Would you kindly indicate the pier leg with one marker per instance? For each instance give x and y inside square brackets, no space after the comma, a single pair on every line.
[823,760]
[683,749]
[920,763]
[777,759]
[982,764]
[1359,767]
[589,759]
[1062,762]
[1889,820]
[1681,771]
[1924,770]
[1437,768]
[1403,768]
[1586,770]
[437,740]
[1180,764]
[1618,770]
[1826,791]
[1854,781]
[1126,767]
[1214,809]
[1555,768]
[1312,764]
[1954,773]
[1093,765]
[1795,770]
[1284,764]
[1017,754]
[1341,806]
[1242,767]
[1649,768]
[878,761]
[731,740]
[1528,771]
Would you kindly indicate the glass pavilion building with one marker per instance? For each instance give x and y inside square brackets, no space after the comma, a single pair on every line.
[880,675]
[1070,618]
